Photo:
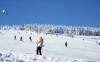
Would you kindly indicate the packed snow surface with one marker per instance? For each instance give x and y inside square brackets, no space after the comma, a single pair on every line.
[80,48]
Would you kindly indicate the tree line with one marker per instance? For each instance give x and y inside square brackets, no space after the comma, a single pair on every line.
[55,29]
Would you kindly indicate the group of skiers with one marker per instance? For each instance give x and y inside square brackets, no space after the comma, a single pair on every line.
[21,38]
[39,44]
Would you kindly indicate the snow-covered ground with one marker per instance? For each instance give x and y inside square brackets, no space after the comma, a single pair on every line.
[80,48]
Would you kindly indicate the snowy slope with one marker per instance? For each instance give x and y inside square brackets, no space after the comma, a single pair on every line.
[78,50]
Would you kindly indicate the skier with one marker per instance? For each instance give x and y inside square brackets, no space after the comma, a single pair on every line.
[15,37]
[30,38]
[31,33]
[98,43]
[39,45]
[21,38]
[18,32]
[66,44]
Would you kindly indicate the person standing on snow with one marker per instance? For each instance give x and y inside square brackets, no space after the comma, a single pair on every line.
[66,44]
[30,39]
[39,46]
[21,38]
[15,37]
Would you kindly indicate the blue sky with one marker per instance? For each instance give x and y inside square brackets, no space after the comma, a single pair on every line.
[59,12]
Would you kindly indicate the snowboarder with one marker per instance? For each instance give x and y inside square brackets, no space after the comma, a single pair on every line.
[21,38]
[39,46]
[66,44]
[30,38]
[15,37]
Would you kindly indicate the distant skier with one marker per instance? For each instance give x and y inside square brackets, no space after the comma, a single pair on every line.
[83,39]
[15,37]
[30,38]
[39,46]
[66,44]
[18,32]
[98,43]
[26,32]
[21,38]
[31,33]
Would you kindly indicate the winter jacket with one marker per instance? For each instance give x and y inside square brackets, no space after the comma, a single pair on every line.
[40,42]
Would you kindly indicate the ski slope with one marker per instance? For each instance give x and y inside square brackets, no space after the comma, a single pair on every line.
[78,50]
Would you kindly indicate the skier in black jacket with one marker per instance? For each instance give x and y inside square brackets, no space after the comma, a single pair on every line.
[66,44]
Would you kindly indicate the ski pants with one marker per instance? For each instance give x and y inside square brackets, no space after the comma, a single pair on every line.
[38,51]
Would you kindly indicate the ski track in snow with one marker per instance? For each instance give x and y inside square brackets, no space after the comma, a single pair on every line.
[54,50]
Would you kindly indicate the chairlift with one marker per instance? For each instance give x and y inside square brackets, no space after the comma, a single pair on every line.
[4,11]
